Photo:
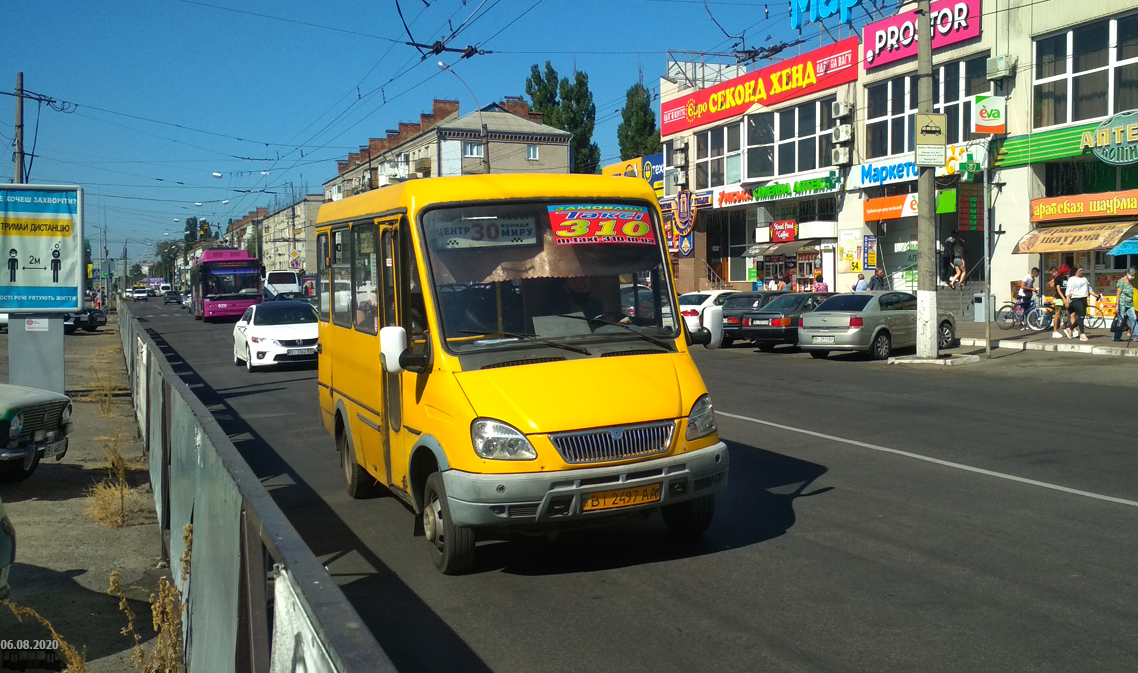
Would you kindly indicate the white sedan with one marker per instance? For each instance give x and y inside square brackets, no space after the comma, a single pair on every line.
[692,305]
[274,333]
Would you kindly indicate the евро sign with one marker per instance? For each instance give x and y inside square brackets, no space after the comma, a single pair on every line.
[816,10]
[1115,141]
[803,75]
[41,241]
[895,38]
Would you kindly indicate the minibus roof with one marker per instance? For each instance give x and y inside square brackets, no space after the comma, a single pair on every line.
[396,198]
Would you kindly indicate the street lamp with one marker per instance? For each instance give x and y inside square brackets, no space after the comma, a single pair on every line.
[485,132]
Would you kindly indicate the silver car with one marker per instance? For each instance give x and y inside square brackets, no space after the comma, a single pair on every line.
[876,323]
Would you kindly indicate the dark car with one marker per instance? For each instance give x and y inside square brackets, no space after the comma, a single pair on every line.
[777,322]
[87,319]
[171,297]
[736,305]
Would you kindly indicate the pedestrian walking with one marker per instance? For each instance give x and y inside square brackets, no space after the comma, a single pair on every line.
[1124,301]
[1078,291]
[957,263]
[1058,283]
[878,283]
[819,285]
[860,285]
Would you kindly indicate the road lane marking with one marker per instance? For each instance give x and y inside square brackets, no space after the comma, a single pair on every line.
[937,461]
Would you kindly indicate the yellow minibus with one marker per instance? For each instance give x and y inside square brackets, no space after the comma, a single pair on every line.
[504,353]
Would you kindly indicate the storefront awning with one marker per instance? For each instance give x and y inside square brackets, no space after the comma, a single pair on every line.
[1075,238]
[788,248]
[757,250]
[1127,247]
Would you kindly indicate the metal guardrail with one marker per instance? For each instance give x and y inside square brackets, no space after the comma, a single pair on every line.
[256,598]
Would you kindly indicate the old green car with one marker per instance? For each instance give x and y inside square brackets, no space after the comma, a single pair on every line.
[33,425]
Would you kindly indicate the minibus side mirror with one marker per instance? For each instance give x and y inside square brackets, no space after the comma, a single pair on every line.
[392,346]
[710,334]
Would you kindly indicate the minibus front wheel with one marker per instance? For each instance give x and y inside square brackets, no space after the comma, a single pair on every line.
[690,518]
[452,547]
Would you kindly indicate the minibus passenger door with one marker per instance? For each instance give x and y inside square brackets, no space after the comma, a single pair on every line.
[392,390]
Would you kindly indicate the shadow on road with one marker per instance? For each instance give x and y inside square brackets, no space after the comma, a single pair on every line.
[757,506]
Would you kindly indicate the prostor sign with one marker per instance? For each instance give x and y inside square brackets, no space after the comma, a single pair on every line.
[803,75]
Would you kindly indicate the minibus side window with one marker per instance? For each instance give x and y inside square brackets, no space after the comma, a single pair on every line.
[364,296]
[413,310]
[341,278]
[322,296]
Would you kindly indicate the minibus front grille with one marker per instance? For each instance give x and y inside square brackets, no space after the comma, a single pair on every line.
[619,443]
[515,363]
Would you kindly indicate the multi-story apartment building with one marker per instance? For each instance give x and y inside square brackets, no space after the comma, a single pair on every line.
[289,236]
[501,137]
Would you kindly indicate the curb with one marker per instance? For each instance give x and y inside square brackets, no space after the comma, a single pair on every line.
[943,362]
[1017,345]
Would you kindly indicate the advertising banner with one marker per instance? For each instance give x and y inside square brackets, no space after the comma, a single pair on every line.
[869,253]
[1075,238]
[803,75]
[784,231]
[41,239]
[596,224]
[895,38]
[890,207]
[903,168]
[989,114]
[1081,206]
[1115,141]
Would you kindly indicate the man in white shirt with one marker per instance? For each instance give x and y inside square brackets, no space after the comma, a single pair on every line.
[1026,294]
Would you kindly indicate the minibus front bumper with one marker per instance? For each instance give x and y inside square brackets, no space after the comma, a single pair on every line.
[549,498]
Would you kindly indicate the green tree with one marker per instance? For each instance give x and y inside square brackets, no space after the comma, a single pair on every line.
[135,275]
[579,116]
[542,90]
[191,235]
[166,253]
[637,133]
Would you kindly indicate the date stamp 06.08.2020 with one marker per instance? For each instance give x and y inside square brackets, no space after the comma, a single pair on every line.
[24,654]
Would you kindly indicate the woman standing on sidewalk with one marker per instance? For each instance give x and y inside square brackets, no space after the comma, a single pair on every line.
[1124,300]
[1058,283]
[1078,289]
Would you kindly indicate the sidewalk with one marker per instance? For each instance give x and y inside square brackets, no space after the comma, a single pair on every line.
[63,558]
[1098,341]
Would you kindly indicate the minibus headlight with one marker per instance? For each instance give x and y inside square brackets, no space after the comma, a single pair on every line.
[701,420]
[495,440]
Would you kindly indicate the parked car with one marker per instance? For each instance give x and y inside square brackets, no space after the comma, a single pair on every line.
[171,297]
[693,304]
[274,333]
[187,299]
[777,321]
[7,550]
[874,322]
[37,423]
[736,305]
[86,319]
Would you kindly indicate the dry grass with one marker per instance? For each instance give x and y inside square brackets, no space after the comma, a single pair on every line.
[166,614]
[113,502]
[76,660]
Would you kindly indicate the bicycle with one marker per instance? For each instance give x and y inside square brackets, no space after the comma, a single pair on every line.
[1043,317]
[1013,313]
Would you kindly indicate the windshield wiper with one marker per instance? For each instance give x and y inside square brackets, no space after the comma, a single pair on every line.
[530,337]
[659,342]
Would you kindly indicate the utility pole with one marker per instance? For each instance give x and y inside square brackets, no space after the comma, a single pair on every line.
[18,155]
[926,199]
[486,146]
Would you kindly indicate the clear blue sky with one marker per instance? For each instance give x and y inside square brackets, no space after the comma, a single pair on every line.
[167,92]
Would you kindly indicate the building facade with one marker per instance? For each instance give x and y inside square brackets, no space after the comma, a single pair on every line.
[502,137]
[288,240]
[807,165]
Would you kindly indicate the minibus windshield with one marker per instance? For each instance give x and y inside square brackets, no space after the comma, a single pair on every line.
[505,274]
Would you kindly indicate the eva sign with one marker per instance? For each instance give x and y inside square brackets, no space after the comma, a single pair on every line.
[989,114]
[895,38]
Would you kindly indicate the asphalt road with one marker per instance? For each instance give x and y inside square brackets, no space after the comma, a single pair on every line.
[879,518]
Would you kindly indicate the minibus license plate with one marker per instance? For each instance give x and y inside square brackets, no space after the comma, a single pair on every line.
[624,498]
[823,340]
[302,351]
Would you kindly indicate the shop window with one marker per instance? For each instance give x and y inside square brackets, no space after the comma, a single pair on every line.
[1068,178]
[790,141]
[891,106]
[1076,73]
[737,241]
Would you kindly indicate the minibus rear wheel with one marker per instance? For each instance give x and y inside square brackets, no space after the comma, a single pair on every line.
[452,547]
[357,481]
[690,518]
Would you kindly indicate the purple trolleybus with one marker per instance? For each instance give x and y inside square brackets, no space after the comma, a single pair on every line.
[225,282]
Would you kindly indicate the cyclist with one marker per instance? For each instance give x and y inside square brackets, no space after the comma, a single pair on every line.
[1026,295]
[1058,283]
